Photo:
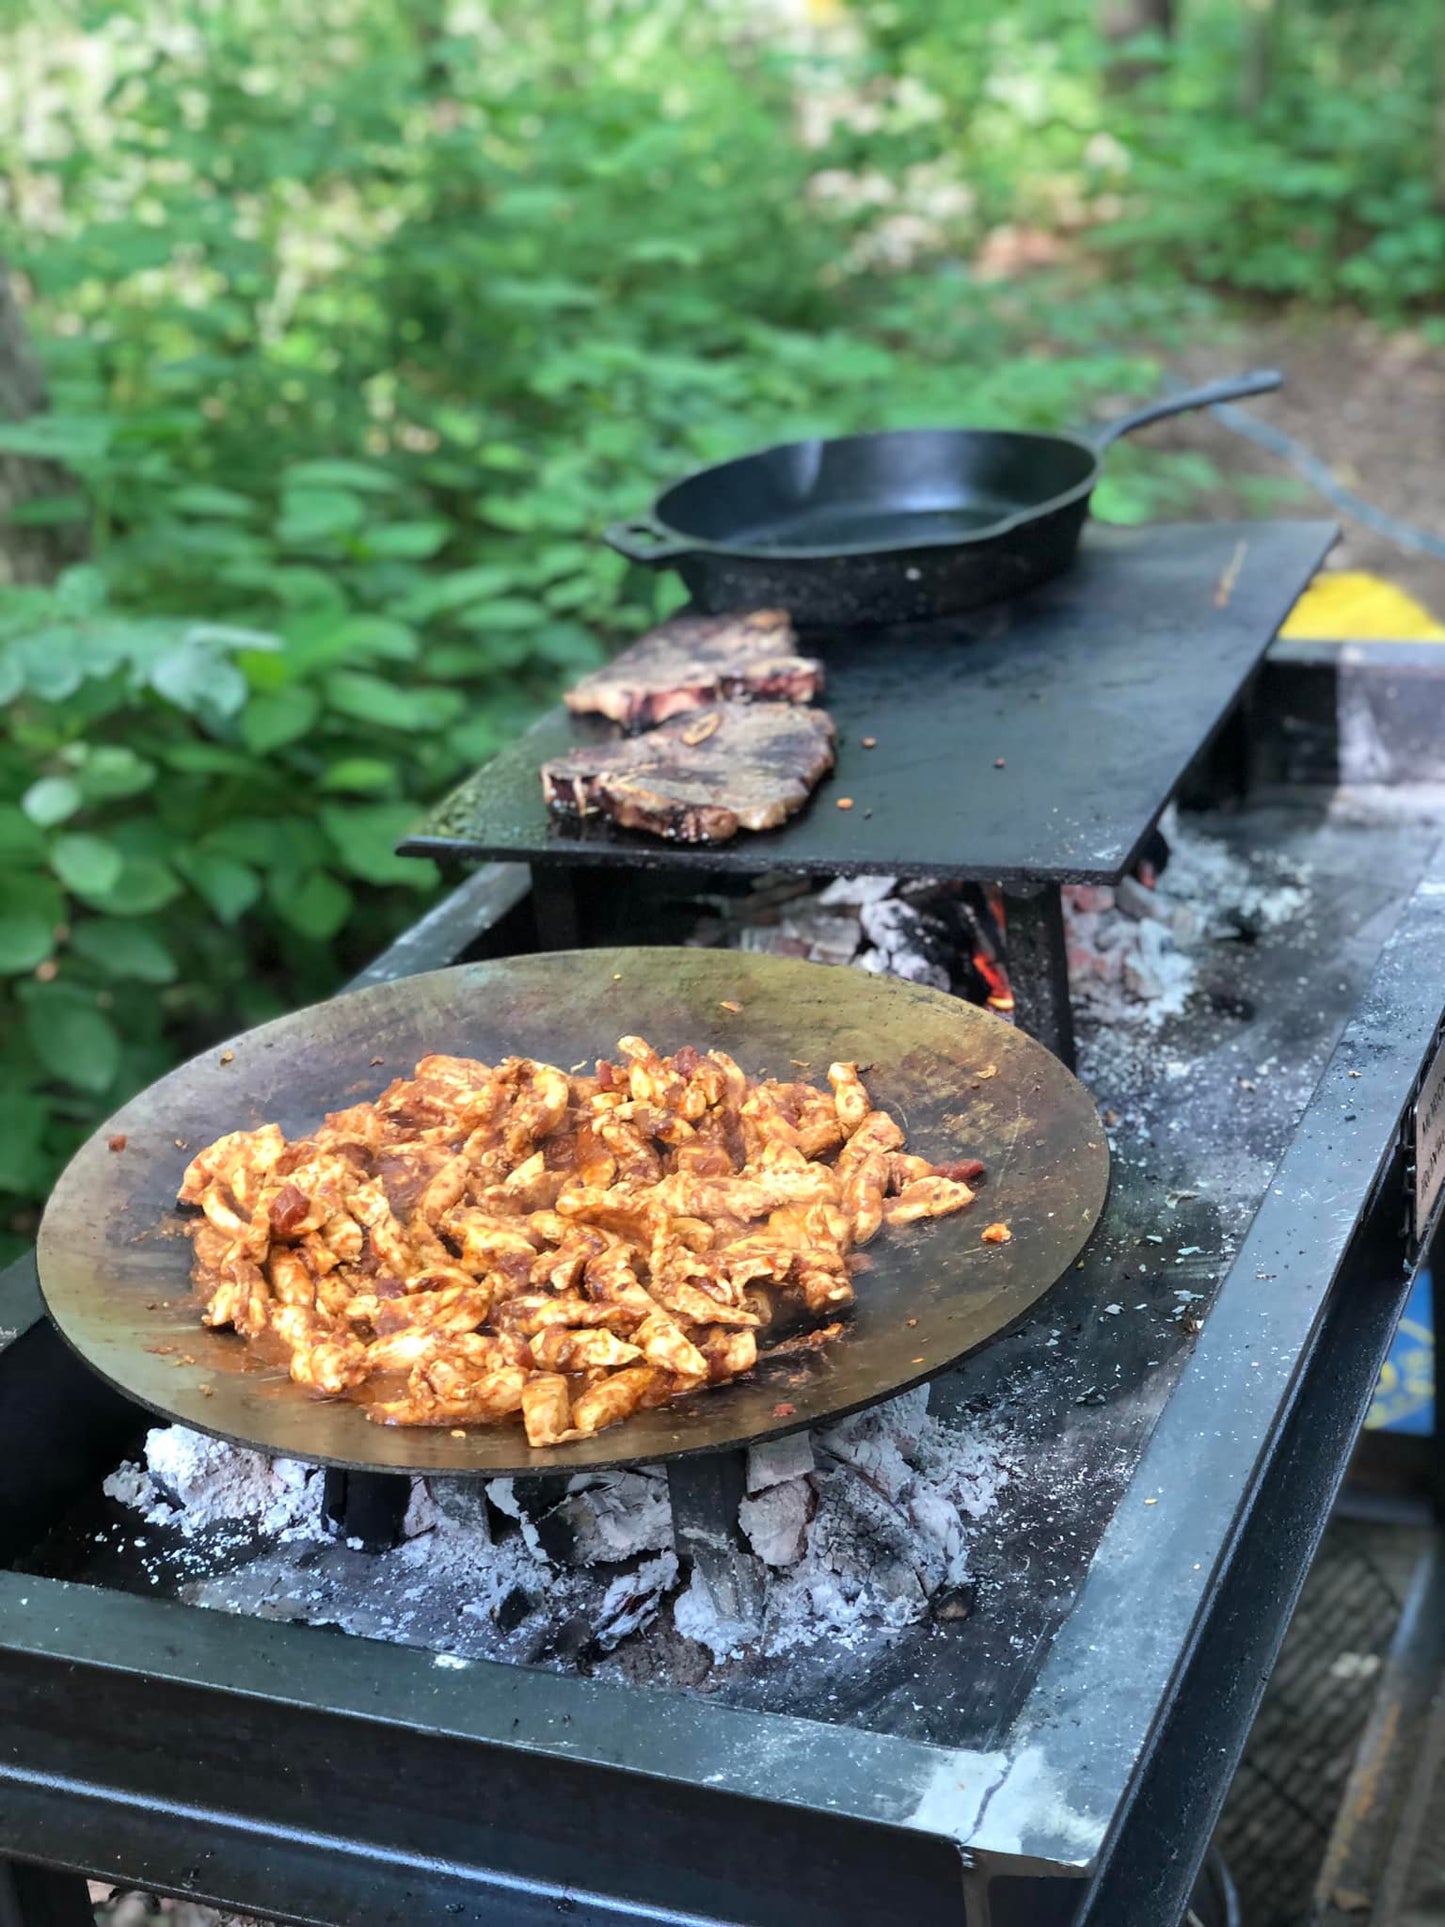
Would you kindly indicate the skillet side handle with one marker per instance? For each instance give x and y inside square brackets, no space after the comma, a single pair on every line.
[1261,381]
[642,540]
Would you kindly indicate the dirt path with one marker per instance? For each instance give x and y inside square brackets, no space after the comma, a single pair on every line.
[1369,404]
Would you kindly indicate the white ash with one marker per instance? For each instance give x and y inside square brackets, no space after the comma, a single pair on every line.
[862,1543]
[615,1515]
[193,1481]
[858,1526]
[1134,953]
[891,927]
[778,1459]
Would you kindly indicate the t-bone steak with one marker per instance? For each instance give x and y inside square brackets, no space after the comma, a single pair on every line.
[692,661]
[703,777]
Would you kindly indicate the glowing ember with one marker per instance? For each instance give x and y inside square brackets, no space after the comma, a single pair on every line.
[987,958]
[1000,996]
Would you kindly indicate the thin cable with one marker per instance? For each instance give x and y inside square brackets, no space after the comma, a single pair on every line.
[1320,477]
[1307,464]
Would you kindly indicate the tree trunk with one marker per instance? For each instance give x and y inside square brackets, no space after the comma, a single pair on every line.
[1121,21]
[27,554]
[1264,35]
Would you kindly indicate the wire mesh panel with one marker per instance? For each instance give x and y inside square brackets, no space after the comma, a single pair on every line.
[1277,1820]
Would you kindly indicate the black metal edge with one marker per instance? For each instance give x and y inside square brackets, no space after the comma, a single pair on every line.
[498,1774]
[1154,1851]
[1363,1840]
[1040,1801]
[1168,1548]
[51,1397]
[725,859]
[1361,654]
[451,925]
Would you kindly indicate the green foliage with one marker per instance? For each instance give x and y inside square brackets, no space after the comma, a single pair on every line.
[1285,148]
[358,328]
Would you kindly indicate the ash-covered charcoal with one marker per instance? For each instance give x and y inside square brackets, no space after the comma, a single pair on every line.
[775,1520]
[195,1482]
[856,1526]
[919,929]
[913,945]
[806,933]
[1135,952]
[607,1517]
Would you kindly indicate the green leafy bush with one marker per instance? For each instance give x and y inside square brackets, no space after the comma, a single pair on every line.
[1287,148]
[357,330]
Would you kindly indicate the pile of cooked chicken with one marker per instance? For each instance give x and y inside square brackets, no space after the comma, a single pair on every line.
[484,1240]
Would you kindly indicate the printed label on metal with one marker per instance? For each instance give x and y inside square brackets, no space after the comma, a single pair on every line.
[1430,1142]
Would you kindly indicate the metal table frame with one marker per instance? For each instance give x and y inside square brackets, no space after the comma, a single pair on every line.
[526,1794]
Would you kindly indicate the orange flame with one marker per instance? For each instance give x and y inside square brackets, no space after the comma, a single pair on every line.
[1000,994]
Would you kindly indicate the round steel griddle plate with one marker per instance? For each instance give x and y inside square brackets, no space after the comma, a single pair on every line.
[114,1264]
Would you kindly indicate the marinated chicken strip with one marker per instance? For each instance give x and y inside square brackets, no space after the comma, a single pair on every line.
[728,1353]
[321,1360]
[697,1307]
[650,1078]
[849,1096]
[530,1314]
[240,1298]
[439,1394]
[662,1342]
[470,1092]
[927,1198]
[863,1192]
[635,1159]
[291,1280]
[556,1349]
[877,1132]
[233,1161]
[825,1290]
[547,1410]
[538,1108]
[614,1398]
[482,1237]
[359,1128]
[450,1308]
[478,1351]
[574,1248]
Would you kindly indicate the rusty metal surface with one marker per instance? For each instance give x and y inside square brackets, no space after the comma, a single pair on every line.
[114,1263]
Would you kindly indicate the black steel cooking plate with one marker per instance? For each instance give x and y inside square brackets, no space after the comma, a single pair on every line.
[892,527]
[114,1262]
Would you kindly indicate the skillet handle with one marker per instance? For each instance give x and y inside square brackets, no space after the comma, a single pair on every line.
[645,541]
[1233,388]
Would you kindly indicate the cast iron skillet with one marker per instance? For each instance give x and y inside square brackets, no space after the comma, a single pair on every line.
[889,527]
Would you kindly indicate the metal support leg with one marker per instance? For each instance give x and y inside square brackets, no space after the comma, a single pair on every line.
[706,1491]
[554,903]
[43,1897]
[368,1506]
[1038,968]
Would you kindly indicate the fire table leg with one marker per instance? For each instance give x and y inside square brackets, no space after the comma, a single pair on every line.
[42,1897]
[368,1506]
[554,904]
[706,1491]
[1038,968]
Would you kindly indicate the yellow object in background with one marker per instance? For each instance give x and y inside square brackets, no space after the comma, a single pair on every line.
[1343,605]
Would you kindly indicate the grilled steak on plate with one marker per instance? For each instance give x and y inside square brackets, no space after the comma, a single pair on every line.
[691,661]
[702,777]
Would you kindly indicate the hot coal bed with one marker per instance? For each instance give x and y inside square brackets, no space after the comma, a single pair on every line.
[983,1654]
